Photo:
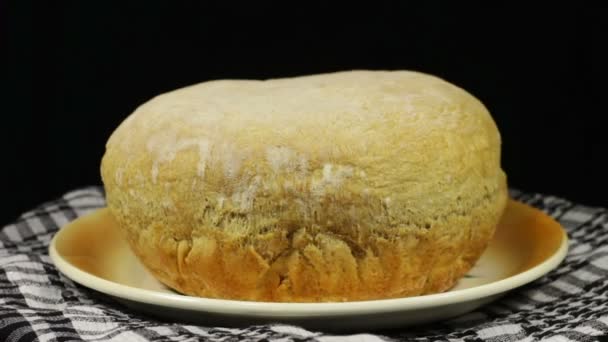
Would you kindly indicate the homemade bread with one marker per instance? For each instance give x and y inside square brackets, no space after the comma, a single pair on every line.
[344,186]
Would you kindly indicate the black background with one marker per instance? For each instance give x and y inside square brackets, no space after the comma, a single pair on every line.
[72,71]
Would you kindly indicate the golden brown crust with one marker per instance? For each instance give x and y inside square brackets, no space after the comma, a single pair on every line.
[398,195]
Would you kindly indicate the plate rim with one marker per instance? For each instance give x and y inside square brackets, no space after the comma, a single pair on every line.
[302,310]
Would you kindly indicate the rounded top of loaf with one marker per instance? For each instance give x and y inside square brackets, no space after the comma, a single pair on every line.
[310,121]
[410,140]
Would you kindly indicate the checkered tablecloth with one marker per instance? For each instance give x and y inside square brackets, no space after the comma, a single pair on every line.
[38,303]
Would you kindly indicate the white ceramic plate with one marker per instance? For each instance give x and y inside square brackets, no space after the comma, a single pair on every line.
[527,245]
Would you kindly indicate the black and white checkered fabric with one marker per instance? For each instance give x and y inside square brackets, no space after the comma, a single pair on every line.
[38,303]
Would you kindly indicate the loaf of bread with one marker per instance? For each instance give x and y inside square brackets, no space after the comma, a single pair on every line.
[353,185]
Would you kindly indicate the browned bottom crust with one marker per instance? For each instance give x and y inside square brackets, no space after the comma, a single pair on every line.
[317,266]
